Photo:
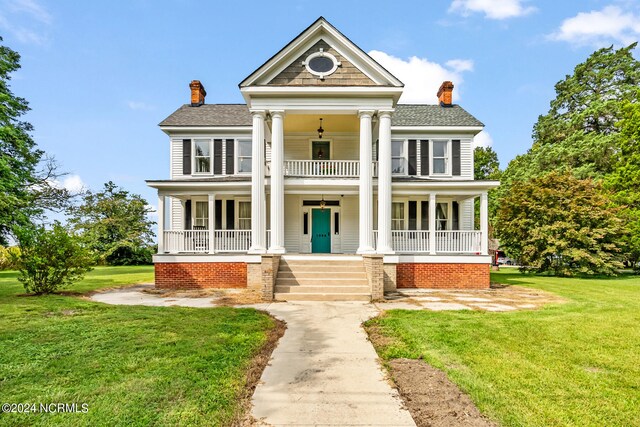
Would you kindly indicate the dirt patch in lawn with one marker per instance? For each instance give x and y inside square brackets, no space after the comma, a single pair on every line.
[219,297]
[432,399]
[259,362]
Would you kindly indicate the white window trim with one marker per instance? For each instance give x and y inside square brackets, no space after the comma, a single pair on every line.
[321,52]
[312,140]
[405,156]
[447,157]
[237,156]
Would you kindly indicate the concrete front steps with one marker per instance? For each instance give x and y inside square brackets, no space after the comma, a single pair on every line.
[317,278]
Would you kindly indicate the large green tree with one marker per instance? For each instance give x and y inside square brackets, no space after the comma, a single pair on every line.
[561,224]
[115,225]
[486,166]
[27,177]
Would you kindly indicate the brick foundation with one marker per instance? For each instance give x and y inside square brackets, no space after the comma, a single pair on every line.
[443,276]
[198,275]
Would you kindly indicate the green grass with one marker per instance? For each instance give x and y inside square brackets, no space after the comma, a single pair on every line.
[132,365]
[576,363]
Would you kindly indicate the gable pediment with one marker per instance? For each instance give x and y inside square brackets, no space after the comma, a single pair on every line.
[288,66]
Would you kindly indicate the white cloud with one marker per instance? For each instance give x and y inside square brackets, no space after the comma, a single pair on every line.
[493,9]
[139,106]
[26,20]
[73,183]
[483,139]
[599,28]
[421,77]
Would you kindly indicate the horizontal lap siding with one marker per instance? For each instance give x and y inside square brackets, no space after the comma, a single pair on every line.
[198,275]
[466,215]
[466,158]
[349,224]
[298,147]
[292,223]
[176,158]
[442,276]
[177,221]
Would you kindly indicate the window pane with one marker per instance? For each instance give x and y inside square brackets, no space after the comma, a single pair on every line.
[397,211]
[441,211]
[203,164]
[244,209]
[244,224]
[439,148]
[397,148]
[244,148]
[244,164]
[439,166]
[202,147]
[397,165]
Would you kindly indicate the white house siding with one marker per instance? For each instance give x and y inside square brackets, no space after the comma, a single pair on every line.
[177,223]
[176,158]
[466,159]
[349,224]
[292,223]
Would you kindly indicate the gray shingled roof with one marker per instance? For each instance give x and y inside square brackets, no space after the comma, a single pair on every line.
[238,115]
[432,115]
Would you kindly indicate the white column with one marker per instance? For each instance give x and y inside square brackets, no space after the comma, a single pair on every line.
[212,222]
[384,183]
[277,182]
[161,198]
[432,223]
[258,209]
[366,180]
[484,223]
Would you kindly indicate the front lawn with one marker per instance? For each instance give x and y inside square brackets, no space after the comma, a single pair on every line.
[131,365]
[576,363]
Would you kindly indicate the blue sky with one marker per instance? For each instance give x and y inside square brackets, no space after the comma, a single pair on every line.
[100,75]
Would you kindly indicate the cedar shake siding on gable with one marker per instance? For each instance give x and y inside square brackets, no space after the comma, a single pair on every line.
[296,74]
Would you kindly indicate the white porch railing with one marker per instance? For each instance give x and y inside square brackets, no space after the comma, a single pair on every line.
[455,241]
[331,168]
[197,241]
[447,241]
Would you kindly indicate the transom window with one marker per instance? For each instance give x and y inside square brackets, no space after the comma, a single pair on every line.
[440,157]
[397,216]
[244,156]
[202,155]
[398,157]
[244,215]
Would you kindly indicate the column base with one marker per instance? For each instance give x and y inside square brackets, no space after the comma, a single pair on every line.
[278,250]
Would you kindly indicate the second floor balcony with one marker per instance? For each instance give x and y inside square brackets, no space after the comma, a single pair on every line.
[323,168]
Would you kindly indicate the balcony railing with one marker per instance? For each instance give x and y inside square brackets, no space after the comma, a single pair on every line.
[197,241]
[328,168]
[447,241]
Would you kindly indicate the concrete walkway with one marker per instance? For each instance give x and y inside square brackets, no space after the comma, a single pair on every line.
[325,371]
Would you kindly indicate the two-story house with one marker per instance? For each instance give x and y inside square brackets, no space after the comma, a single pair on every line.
[321,183]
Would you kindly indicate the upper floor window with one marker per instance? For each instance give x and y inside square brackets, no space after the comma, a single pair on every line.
[440,157]
[244,156]
[398,157]
[202,155]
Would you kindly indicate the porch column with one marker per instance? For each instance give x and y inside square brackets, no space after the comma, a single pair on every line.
[258,209]
[211,221]
[161,198]
[277,182]
[366,191]
[484,223]
[384,184]
[432,223]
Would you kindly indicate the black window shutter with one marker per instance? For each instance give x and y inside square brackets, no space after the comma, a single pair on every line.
[424,216]
[231,214]
[218,215]
[217,157]
[455,207]
[230,156]
[336,223]
[187,215]
[424,157]
[455,157]
[413,215]
[377,149]
[413,157]
[186,156]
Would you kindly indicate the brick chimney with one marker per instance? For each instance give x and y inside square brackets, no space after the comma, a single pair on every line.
[445,94]
[197,93]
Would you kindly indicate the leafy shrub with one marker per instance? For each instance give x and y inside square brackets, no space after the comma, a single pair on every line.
[50,259]
[7,256]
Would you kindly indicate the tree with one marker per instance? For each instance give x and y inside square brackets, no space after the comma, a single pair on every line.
[560,224]
[485,164]
[624,181]
[27,176]
[115,225]
[49,259]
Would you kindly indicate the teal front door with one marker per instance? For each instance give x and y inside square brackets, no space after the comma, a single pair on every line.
[321,231]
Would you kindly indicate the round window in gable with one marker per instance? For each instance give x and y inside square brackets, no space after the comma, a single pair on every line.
[321,64]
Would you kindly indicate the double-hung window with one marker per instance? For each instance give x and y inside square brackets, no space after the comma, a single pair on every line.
[398,157]
[202,155]
[201,219]
[244,215]
[442,209]
[244,156]
[440,157]
[397,216]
